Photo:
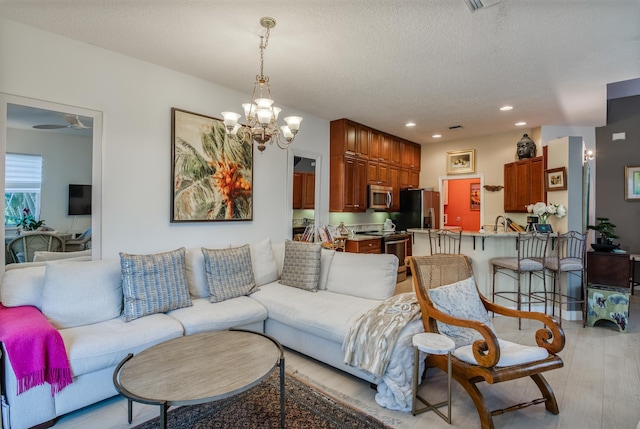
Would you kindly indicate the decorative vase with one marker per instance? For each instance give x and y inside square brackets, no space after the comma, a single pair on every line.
[342,230]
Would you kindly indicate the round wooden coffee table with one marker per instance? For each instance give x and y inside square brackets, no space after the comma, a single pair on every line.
[199,368]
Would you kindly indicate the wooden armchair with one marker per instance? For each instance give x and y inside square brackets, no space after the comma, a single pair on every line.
[430,272]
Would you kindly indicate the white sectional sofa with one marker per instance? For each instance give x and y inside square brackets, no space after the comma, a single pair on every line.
[83,300]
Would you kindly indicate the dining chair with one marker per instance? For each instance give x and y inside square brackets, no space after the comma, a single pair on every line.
[23,247]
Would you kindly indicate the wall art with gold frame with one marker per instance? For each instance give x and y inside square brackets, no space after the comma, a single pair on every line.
[211,175]
[461,161]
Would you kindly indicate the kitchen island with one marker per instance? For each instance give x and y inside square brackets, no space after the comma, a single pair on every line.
[480,247]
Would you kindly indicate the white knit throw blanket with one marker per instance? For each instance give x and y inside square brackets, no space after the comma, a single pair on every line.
[372,337]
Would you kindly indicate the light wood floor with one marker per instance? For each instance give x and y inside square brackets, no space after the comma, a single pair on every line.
[598,387]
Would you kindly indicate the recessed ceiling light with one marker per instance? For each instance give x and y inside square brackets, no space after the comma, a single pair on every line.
[410,124]
[436,136]
[505,108]
[519,124]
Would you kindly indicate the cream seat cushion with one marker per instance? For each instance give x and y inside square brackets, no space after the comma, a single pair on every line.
[102,345]
[205,316]
[510,354]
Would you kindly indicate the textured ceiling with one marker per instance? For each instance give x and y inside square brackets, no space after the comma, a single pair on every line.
[381,63]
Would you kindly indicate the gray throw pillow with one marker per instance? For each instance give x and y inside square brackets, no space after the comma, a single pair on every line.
[229,272]
[153,283]
[460,300]
[301,266]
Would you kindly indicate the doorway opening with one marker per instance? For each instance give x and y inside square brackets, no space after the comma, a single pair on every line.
[461,202]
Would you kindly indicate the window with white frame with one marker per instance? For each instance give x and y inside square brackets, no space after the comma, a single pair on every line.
[23,182]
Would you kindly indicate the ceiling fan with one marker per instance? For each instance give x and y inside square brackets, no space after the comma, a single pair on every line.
[73,120]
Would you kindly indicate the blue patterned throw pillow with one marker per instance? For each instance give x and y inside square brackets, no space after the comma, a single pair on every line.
[460,300]
[229,272]
[301,266]
[153,283]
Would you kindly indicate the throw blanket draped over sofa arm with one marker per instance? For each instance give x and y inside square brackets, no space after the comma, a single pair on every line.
[34,348]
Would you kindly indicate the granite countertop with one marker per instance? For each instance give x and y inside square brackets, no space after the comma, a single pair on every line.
[469,233]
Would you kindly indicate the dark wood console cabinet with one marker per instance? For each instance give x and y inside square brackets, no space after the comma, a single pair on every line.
[610,269]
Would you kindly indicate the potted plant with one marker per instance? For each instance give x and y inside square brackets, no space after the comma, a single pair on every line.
[606,230]
[28,222]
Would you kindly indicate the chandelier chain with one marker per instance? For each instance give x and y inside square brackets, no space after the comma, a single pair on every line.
[261,114]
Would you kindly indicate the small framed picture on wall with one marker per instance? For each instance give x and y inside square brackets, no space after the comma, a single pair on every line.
[555,179]
[632,183]
[461,161]
[475,196]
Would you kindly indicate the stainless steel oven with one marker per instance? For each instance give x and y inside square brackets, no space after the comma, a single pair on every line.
[395,243]
[398,247]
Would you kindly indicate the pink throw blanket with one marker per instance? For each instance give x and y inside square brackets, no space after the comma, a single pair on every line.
[34,348]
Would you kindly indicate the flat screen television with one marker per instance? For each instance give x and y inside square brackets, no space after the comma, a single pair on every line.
[79,200]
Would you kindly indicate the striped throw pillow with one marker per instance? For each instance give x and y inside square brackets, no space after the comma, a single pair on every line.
[229,272]
[153,283]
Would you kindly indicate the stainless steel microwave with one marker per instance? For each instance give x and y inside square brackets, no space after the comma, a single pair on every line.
[380,197]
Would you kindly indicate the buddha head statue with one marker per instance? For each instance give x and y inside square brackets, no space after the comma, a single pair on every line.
[526,148]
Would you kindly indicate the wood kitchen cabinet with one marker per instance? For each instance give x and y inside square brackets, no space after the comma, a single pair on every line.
[523,184]
[348,191]
[361,156]
[373,245]
[378,173]
[375,141]
[349,139]
[410,155]
[394,182]
[297,190]
[304,187]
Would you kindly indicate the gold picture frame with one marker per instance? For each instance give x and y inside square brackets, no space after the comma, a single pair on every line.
[632,183]
[461,161]
[555,179]
[211,174]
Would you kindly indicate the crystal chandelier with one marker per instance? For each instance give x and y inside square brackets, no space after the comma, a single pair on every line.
[261,114]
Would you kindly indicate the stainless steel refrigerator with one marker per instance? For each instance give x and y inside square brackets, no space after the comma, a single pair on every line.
[419,208]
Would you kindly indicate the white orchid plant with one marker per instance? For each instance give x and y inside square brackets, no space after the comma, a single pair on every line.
[543,211]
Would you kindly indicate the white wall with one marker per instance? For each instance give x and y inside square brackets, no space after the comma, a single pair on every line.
[136,99]
[492,152]
[65,159]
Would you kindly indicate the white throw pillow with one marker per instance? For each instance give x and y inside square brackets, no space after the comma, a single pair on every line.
[23,286]
[82,293]
[326,256]
[460,300]
[264,265]
[374,278]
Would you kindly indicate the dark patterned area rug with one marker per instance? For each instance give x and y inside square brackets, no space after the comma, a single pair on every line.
[259,407]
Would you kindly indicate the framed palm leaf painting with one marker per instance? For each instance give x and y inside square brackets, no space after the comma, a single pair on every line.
[212,175]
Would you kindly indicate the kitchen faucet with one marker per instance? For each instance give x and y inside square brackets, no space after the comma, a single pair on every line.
[504,220]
